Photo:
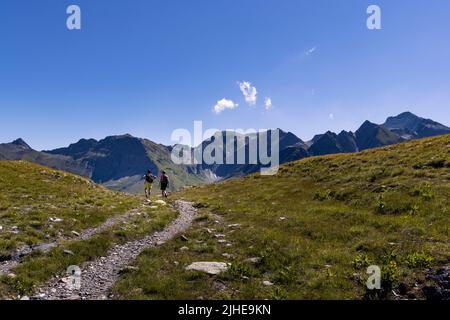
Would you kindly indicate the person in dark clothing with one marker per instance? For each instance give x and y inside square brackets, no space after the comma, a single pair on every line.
[164,183]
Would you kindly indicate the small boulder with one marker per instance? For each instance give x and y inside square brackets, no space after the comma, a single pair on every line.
[267,283]
[212,268]
[161,202]
[64,280]
[129,269]
[253,260]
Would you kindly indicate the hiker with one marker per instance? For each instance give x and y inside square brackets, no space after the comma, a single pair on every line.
[148,184]
[164,183]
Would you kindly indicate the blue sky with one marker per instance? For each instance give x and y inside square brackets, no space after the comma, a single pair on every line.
[148,67]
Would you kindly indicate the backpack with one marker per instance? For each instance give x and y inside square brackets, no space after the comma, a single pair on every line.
[148,178]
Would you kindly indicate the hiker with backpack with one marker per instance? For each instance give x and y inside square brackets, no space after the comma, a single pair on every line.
[148,184]
[164,183]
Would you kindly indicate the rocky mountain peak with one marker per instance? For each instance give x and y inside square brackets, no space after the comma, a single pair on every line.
[21,143]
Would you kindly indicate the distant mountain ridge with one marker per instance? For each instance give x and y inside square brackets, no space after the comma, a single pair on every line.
[119,162]
[20,150]
[405,126]
[411,126]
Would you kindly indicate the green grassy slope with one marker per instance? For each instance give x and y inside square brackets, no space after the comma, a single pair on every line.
[32,195]
[59,162]
[314,228]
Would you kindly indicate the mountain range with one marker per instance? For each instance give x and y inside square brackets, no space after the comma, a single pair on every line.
[119,162]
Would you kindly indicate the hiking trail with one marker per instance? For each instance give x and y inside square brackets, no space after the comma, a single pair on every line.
[99,276]
[18,256]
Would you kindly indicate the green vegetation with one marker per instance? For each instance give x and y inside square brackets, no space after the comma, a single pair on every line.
[418,260]
[39,267]
[31,196]
[311,231]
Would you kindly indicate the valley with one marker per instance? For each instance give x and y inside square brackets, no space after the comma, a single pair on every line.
[309,232]
[225,159]
[119,162]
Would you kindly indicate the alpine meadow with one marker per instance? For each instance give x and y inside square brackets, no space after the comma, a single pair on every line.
[215,159]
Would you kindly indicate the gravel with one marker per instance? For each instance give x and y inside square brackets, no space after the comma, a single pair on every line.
[21,253]
[100,275]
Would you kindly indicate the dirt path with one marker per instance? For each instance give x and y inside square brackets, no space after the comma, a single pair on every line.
[99,276]
[20,254]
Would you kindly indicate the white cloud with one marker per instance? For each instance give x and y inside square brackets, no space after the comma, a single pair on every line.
[311,51]
[268,103]
[250,93]
[223,105]
[331,116]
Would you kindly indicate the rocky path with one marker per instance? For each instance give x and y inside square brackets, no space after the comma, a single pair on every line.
[20,254]
[99,276]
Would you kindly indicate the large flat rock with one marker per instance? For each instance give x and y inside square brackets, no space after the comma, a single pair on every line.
[212,268]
